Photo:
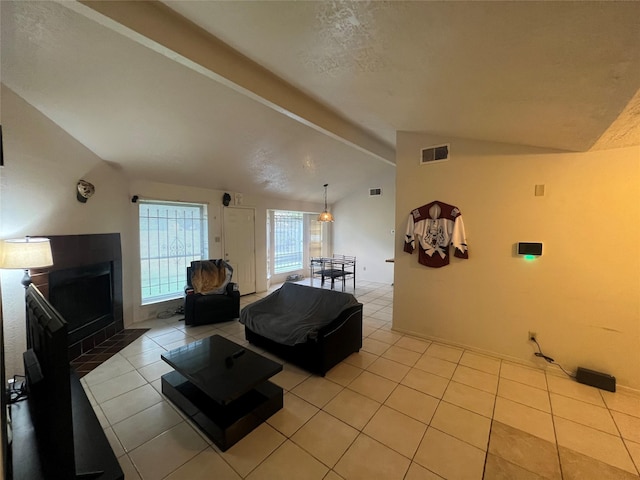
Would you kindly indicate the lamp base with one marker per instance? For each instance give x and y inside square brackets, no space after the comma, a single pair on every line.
[26,280]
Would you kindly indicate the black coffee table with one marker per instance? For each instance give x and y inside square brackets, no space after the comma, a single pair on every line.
[222,387]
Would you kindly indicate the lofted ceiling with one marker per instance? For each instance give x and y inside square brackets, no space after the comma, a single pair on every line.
[278,98]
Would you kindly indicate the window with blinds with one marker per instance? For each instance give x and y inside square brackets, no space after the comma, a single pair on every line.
[294,237]
[172,235]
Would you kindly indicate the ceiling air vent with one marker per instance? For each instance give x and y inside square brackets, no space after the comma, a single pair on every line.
[438,153]
[375,192]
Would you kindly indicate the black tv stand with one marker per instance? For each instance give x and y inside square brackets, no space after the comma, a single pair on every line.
[94,458]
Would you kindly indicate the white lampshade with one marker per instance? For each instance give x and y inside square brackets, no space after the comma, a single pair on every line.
[26,253]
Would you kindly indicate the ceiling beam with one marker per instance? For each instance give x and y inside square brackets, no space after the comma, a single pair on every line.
[156,26]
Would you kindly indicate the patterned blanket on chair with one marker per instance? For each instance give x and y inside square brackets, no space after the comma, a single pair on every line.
[210,277]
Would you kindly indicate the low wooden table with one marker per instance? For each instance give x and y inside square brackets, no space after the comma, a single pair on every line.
[222,387]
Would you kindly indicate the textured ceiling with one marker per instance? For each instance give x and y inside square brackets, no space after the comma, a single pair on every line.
[315,91]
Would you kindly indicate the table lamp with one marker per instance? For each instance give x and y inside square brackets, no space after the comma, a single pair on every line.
[26,253]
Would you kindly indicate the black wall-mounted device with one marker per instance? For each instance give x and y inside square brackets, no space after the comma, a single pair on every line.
[529,248]
[599,380]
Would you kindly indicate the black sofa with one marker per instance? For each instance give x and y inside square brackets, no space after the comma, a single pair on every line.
[310,327]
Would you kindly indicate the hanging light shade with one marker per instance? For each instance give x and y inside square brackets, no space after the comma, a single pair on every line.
[326,215]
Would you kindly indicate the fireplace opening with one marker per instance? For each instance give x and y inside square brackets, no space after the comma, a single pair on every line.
[84,297]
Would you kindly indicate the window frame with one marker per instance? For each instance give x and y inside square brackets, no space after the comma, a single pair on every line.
[171,265]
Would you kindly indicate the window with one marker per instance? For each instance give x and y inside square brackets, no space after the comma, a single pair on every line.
[294,237]
[172,235]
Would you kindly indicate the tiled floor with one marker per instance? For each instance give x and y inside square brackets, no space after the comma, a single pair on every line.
[401,408]
[107,349]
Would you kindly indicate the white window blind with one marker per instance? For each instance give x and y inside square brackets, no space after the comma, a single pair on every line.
[288,233]
[172,235]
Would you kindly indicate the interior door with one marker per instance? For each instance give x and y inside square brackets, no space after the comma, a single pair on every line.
[239,246]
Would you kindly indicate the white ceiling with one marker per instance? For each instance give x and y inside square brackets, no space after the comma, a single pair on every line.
[315,91]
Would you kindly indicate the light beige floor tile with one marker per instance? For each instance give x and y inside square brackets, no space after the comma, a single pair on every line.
[497,468]
[449,457]
[628,425]
[425,382]
[374,347]
[360,359]
[418,472]
[476,379]
[524,450]
[380,315]
[396,430]
[145,358]
[204,466]
[138,346]
[317,390]
[155,370]
[444,352]
[527,419]
[352,408]
[170,337]
[411,402]
[622,402]
[367,459]
[373,386]
[462,424]
[333,476]
[480,362]
[525,394]
[576,466]
[117,386]
[104,423]
[295,413]
[389,369]
[413,344]
[130,403]
[584,413]
[166,452]
[289,461]
[373,322]
[386,336]
[343,374]
[112,368]
[325,437]
[437,366]
[401,355]
[116,446]
[573,389]
[519,373]
[470,398]
[367,330]
[130,472]
[143,426]
[634,450]
[249,452]
[591,442]
[290,377]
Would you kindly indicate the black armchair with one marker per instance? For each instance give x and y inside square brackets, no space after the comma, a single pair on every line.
[201,309]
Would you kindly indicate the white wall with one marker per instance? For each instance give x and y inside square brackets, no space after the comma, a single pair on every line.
[42,166]
[582,297]
[364,227]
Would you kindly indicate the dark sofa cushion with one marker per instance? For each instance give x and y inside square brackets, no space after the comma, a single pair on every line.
[295,313]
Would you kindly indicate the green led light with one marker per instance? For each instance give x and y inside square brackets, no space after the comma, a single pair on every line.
[529,257]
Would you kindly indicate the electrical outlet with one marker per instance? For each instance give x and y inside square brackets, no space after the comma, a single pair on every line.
[531,336]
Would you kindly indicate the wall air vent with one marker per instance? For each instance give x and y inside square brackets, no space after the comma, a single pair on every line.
[437,153]
[375,192]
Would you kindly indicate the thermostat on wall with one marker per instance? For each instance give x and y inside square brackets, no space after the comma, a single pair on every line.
[530,248]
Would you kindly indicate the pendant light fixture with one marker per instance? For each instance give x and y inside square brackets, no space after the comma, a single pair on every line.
[326,215]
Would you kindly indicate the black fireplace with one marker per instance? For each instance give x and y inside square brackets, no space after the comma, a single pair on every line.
[84,297]
[85,286]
